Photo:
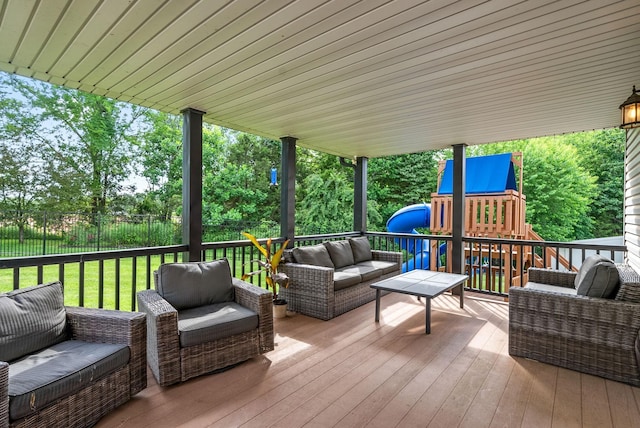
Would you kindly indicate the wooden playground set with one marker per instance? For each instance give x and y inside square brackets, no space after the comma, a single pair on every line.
[495,207]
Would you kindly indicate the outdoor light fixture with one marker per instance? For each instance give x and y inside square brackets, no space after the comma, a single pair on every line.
[631,111]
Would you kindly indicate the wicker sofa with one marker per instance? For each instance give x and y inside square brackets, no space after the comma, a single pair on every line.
[200,319]
[550,322]
[66,366]
[329,279]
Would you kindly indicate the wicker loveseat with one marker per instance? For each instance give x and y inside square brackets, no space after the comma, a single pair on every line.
[550,322]
[329,279]
[200,319]
[66,366]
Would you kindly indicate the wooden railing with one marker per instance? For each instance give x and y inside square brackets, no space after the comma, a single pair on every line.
[485,215]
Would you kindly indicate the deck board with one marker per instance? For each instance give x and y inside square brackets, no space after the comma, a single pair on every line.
[353,372]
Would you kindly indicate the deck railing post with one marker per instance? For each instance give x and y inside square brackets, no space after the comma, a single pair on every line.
[192,183]
[360,196]
[288,189]
[459,179]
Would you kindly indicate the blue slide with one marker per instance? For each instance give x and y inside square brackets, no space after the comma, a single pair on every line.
[405,220]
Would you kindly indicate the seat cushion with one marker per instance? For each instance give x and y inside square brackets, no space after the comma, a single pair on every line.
[342,280]
[31,319]
[316,255]
[340,253]
[366,272]
[58,371]
[386,267]
[212,322]
[552,288]
[361,249]
[189,285]
[597,277]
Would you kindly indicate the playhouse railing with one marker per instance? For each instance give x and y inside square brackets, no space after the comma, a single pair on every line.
[485,215]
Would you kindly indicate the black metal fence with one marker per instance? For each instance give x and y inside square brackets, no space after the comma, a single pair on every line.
[25,234]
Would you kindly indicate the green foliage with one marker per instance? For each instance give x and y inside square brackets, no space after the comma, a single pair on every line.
[327,205]
[601,154]
[123,235]
[557,188]
[398,181]
[85,143]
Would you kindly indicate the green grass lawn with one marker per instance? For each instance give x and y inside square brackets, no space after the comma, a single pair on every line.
[91,292]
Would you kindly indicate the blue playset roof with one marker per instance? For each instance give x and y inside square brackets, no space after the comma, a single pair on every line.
[484,174]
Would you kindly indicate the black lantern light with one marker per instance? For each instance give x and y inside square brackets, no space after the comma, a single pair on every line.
[631,111]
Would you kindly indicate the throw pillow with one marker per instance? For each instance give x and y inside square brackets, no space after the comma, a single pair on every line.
[361,249]
[340,253]
[193,284]
[316,255]
[31,319]
[597,277]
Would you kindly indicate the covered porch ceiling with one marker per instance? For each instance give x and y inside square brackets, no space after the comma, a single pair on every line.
[353,78]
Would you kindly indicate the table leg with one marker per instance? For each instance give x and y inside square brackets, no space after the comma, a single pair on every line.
[377,305]
[428,320]
[462,295]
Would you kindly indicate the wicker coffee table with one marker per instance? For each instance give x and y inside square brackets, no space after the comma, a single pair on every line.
[421,283]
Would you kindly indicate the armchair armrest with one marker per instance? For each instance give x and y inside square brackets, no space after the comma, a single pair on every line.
[109,326]
[552,277]
[310,289]
[387,256]
[260,301]
[163,342]
[4,394]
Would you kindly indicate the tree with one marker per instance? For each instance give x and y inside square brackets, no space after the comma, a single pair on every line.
[88,143]
[602,155]
[20,184]
[161,159]
[558,189]
[398,181]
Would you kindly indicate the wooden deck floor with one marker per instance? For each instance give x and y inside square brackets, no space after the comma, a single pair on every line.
[352,372]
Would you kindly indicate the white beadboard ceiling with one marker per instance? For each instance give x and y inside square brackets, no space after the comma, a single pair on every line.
[353,78]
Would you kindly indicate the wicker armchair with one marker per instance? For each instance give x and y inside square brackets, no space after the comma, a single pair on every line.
[86,406]
[587,334]
[172,361]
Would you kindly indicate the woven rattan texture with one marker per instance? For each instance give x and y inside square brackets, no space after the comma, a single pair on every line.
[88,405]
[590,335]
[311,292]
[171,364]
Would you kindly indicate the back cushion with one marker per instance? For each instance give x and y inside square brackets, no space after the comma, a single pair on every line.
[361,249]
[31,319]
[340,253]
[316,255]
[597,277]
[188,285]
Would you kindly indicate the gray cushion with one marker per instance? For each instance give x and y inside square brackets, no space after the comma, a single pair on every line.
[342,280]
[316,255]
[386,267]
[31,319]
[361,249]
[59,371]
[189,285]
[597,277]
[366,272]
[340,253]
[213,322]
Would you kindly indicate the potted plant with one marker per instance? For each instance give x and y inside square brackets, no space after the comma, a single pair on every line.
[269,267]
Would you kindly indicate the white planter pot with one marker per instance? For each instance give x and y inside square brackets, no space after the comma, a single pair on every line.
[280,310]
